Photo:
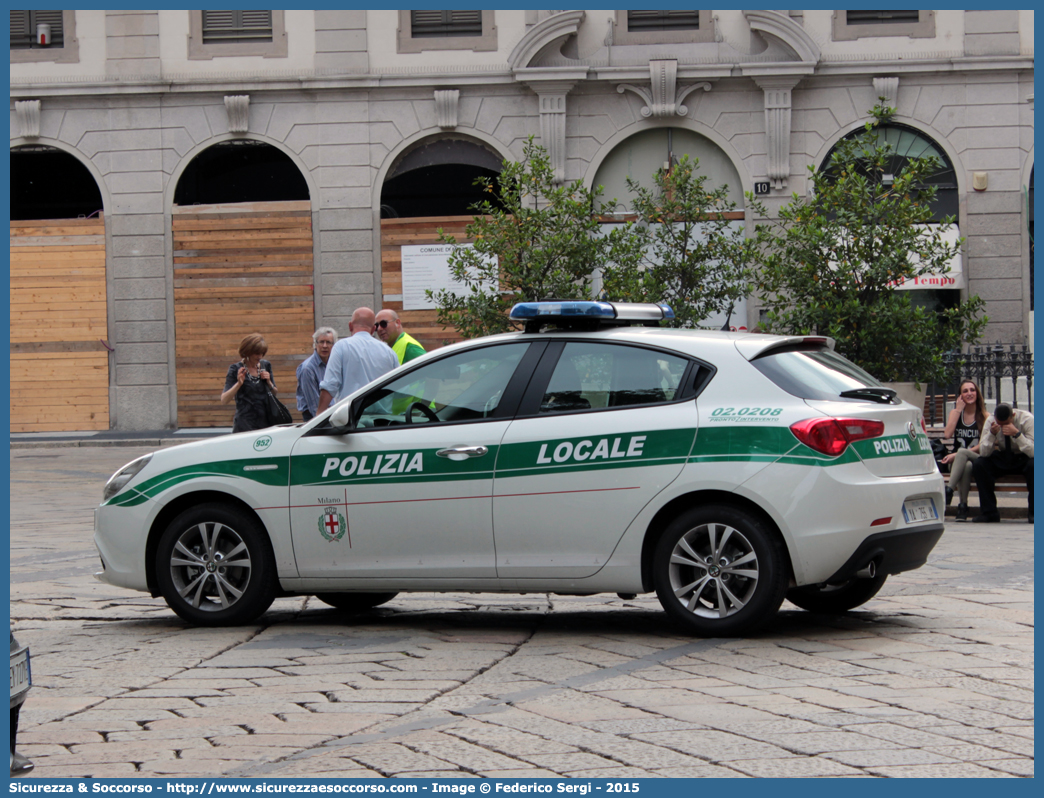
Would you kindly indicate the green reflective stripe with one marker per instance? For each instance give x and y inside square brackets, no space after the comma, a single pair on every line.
[893,446]
[153,486]
[595,452]
[732,444]
[413,465]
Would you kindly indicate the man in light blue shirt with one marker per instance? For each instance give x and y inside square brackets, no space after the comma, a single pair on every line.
[355,361]
[312,370]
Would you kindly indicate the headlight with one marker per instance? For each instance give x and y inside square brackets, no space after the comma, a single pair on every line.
[123,476]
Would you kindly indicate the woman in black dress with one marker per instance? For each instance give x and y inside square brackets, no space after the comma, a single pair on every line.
[248,381]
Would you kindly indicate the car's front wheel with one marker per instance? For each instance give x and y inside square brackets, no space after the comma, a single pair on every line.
[355,602]
[835,599]
[719,571]
[214,567]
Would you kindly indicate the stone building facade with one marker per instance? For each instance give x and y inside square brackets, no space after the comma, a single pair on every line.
[348,96]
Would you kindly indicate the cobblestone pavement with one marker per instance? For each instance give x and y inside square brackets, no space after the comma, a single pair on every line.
[934,677]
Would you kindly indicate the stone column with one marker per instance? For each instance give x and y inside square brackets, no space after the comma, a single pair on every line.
[553,123]
[777,125]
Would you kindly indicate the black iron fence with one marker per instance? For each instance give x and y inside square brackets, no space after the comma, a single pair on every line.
[1003,373]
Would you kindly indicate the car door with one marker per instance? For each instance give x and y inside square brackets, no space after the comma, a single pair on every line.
[407,491]
[603,428]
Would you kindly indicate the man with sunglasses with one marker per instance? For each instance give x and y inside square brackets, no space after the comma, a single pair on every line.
[389,330]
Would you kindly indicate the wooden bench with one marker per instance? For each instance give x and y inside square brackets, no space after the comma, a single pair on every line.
[1009,483]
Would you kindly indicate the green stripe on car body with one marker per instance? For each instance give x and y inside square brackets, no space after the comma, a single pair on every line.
[153,486]
[719,444]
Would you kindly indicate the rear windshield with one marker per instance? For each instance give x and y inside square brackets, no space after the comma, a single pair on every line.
[813,373]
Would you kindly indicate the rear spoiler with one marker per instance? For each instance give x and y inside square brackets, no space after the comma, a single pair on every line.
[755,346]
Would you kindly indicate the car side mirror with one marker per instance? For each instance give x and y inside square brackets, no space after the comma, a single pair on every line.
[342,416]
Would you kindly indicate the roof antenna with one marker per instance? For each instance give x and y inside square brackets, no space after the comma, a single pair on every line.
[725,327]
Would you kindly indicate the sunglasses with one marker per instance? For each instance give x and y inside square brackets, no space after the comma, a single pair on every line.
[383,324]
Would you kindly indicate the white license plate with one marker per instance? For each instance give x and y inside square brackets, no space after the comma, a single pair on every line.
[917,510]
[21,676]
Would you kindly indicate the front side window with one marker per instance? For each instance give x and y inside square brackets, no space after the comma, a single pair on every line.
[43,36]
[464,387]
[592,376]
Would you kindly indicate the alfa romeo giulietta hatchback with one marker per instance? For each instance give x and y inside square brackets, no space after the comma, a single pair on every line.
[595,452]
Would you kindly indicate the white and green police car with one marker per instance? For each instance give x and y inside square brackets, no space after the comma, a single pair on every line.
[594,452]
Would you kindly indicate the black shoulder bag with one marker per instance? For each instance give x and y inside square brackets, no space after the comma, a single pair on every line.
[275,411]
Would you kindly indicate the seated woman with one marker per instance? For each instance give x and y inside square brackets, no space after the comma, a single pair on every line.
[965,427]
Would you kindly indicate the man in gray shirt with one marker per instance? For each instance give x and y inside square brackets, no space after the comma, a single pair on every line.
[355,361]
[312,370]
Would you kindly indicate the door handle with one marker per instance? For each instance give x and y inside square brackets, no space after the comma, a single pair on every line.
[462,452]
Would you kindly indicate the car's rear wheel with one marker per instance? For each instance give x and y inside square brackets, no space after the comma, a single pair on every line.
[834,599]
[214,566]
[719,571]
[355,602]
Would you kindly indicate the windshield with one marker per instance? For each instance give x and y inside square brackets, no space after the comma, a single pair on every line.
[813,373]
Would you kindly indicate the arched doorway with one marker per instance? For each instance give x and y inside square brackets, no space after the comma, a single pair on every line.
[641,155]
[59,312]
[243,263]
[908,144]
[429,186]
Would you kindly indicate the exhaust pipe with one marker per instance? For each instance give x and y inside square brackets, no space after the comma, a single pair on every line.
[867,572]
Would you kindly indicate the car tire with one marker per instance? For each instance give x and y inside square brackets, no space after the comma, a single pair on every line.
[355,602]
[735,592]
[835,599]
[198,579]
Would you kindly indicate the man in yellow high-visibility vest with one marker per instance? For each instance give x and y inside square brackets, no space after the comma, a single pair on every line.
[389,330]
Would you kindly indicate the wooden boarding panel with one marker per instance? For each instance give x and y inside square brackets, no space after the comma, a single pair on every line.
[59,368]
[239,268]
[397,233]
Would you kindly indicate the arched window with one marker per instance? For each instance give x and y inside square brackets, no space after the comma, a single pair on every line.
[908,144]
[640,155]
[437,178]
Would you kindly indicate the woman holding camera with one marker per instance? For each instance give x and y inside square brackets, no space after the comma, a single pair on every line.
[248,382]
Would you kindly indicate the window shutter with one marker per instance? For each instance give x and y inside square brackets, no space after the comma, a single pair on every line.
[19,28]
[445,23]
[663,20]
[878,17]
[236,26]
[23,28]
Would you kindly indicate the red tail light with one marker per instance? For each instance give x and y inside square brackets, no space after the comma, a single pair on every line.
[832,435]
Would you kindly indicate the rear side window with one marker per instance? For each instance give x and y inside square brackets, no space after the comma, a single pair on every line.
[813,373]
[592,376]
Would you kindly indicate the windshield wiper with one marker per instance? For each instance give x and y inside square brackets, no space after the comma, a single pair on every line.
[885,396]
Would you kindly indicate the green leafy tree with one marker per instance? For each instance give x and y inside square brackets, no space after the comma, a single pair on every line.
[685,248]
[533,240]
[835,259]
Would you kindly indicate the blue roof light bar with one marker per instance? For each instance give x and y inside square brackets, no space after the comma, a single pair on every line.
[525,311]
[592,310]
